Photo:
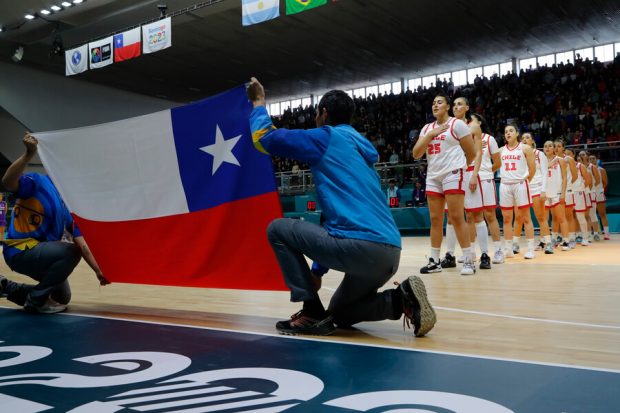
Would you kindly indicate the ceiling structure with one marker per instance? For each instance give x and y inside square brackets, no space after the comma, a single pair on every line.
[346,43]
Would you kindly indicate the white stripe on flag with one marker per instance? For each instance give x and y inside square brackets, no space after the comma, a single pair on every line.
[258,6]
[118,171]
[132,36]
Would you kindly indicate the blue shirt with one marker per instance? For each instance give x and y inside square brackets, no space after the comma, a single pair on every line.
[342,164]
[39,215]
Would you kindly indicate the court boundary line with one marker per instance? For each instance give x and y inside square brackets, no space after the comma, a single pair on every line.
[578,367]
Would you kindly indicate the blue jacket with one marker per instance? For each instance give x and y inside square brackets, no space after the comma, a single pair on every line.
[347,185]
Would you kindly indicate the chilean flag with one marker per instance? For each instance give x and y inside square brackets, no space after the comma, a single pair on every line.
[179,197]
[127,45]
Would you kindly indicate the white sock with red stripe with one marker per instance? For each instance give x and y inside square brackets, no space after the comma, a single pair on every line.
[450,239]
[483,236]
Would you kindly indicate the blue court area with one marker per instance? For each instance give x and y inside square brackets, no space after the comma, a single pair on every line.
[68,363]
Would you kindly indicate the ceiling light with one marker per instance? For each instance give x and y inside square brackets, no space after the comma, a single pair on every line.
[66,4]
[29,16]
[1,29]
[56,8]
[77,1]
[45,11]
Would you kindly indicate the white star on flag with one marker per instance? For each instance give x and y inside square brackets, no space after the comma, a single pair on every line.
[221,150]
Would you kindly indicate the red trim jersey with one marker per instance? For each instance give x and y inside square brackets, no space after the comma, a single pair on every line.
[514,165]
[444,153]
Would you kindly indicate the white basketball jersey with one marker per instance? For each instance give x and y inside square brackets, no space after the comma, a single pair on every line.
[599,187]
[569,174]
[514,165]
[537,180]
[489,148]
[554,180]
[579,185]
[593,188]
[444,153]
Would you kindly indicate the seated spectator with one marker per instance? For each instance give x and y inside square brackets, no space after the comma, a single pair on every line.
[418,195]
[393,194]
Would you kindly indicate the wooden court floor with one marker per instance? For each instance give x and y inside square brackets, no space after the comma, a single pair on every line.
[562,308]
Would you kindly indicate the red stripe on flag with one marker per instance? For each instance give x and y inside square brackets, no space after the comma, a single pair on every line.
[221,247]
[127,52]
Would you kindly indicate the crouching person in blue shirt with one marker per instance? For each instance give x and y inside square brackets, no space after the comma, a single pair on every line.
[358,237]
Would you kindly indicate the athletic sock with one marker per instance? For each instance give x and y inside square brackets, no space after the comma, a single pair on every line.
[498,245]
[483,236]
[530,244]
[450,239]
[435,254]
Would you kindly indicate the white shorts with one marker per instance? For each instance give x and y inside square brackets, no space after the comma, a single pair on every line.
[535,189]
[600,197]
[580,201]
[484,197]
[450,183]
[588,200]
[515,195]
[552,201]
[569,200]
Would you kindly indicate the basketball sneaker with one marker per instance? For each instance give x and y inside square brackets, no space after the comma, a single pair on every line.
[498,257]
[585,242]
[515,248]
[485,261]
[301,324]
[509,253]
[540,246]
[431,267]
[48,307]
[449,261]
[549,249]
[529,255]
[606,237]
[469,268]
[565,246]
[417,310]
[597,237]
[579,238]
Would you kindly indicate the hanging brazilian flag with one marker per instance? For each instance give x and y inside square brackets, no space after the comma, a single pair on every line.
[296,6]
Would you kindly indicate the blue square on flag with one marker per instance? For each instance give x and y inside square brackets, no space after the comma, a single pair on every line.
[118,40]
[217,159]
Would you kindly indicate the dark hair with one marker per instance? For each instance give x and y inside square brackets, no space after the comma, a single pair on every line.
[464,98]
[484,126]
[340,107]
[446,98]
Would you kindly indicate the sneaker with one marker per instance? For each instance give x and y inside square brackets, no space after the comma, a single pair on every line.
[585,243]
[579,238]
[559,239]
[301,324]
[565,246]
[448,262]
[431,267]
[468,268]
[572,244]
[515,248]
[540,246]
[529,255]
[498,257]
[606,237]
[485,261]
[597,237]
[549,249]
[509,253]
[417,310]
[461,259]
[3,284]
[48,307]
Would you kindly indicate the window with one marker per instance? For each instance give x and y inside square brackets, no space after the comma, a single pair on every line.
[604,53]
[490,70]
[414,84]
[587,53]
[317,99]
[349,92]
[385,88]
[444,77]
[305,102]
[548,60]
[372,90]
[397,88]
[505,68]
[428,81]
[360,93]
[527,64]
[296,103]
[274,109]
[285,105]
[459,78]
[617,49]
[472,73]
[565,57]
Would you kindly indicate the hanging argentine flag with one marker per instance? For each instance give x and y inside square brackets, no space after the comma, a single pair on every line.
[258,11]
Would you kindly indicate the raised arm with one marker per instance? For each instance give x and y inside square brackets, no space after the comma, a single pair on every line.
[10,180]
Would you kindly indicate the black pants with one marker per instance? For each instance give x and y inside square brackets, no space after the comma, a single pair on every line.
[50,263]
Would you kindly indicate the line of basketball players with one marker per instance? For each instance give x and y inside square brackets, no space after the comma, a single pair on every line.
[461,161]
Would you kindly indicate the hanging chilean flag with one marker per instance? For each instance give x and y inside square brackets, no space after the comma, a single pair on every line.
[127,45]
[178,197]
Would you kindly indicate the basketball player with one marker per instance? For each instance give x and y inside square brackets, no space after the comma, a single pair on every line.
[556,192]
[601,200]
[595,180]
[579,188]
[518,168]
[538,189]
[449,148]
[571,177]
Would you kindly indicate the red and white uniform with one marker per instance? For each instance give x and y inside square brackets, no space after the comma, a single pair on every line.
[485,196]
[514,190]
[554,183]
[579,191]
[445,159]
[538,184]
[600,191]
[569,199]
[591,191]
